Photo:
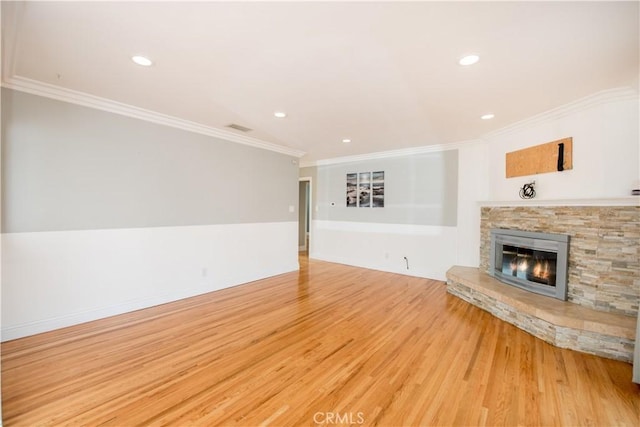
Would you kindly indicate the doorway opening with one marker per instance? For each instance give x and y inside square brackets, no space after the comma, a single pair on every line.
[304,215]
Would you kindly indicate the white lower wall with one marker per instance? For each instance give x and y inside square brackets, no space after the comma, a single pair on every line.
[430,250]
[56,279]
[472,187]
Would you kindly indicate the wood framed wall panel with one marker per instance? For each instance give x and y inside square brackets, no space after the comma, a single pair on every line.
[539,159]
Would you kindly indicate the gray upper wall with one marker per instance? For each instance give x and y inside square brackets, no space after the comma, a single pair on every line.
[68,167]
[420,189]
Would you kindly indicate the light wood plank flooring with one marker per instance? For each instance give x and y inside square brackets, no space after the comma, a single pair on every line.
[331,344]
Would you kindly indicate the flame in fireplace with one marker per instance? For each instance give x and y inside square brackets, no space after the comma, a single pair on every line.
[541,269]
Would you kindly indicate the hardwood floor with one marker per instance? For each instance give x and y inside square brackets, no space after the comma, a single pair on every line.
[329,345]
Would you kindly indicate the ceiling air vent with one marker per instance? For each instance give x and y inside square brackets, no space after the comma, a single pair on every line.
[239,127]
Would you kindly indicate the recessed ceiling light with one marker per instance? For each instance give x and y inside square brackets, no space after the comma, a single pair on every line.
[469,60]
[346,140]
[141,60]
[487,116]
[280,114]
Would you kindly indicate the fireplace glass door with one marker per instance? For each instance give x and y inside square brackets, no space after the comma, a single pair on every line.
[529,264]
[530,260]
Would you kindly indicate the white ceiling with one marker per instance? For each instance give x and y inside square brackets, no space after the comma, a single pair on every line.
[384,74]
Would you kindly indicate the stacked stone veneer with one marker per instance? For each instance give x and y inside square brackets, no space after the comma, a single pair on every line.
[604,249]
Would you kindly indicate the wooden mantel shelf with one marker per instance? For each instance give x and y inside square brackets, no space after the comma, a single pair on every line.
[611,201]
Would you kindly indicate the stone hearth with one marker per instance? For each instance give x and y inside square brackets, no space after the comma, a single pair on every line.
[560,323]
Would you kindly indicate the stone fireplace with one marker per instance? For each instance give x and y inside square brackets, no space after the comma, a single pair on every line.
[604,260]
[601,284]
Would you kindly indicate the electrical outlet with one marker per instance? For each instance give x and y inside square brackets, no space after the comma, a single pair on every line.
[205,272]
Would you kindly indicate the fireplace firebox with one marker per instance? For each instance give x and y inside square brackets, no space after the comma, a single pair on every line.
[533,261]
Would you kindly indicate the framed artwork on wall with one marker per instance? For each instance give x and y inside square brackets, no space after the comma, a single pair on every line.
[377,190]
[352,190]
[365,189]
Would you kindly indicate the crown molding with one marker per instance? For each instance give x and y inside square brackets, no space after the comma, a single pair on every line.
[596,99]
[59,93]
[435,148]
[582,104]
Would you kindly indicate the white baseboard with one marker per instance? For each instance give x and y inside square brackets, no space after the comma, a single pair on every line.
[57,279]
[429,250]
[38,326]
